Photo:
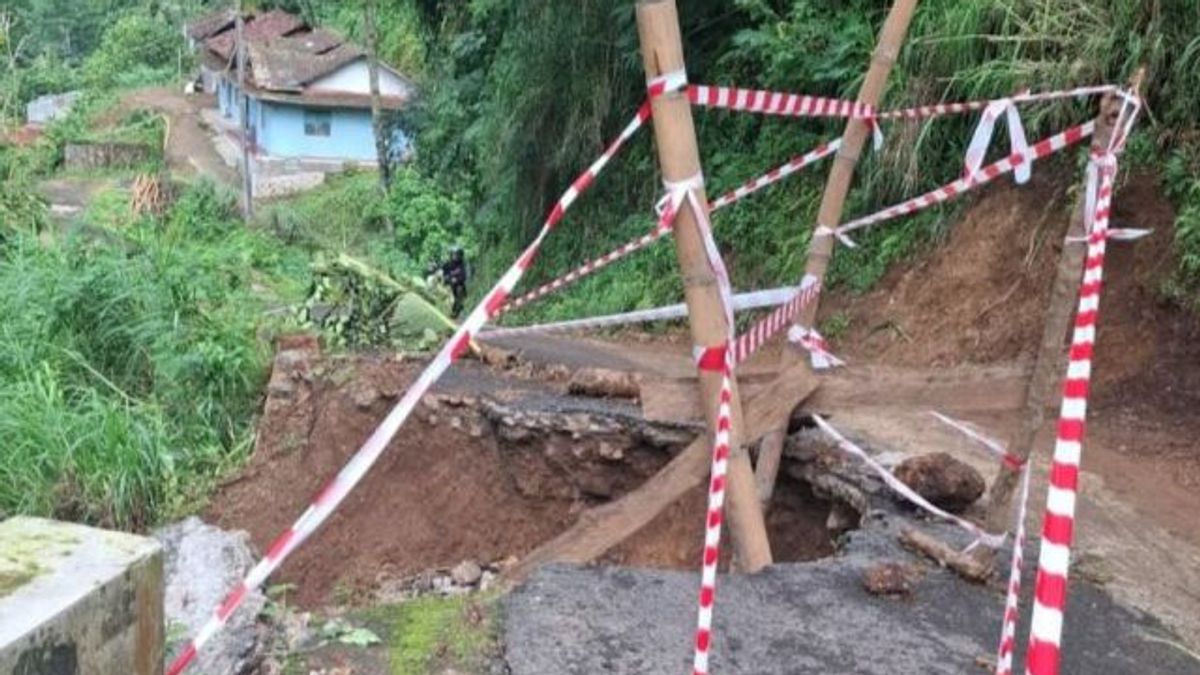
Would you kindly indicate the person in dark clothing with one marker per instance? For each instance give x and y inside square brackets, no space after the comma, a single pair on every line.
[455,275]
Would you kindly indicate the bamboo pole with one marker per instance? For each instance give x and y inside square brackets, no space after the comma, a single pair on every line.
[679,156]
[1052,350]
[244,113]
[833,201]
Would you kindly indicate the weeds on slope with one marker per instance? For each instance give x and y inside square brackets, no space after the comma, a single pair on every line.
[131,364]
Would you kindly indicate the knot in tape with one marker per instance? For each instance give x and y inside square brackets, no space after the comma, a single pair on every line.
[667,82]
[711,359]
[677,190]
[826,231]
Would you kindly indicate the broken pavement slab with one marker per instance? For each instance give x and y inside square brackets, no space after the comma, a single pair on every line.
[807,618]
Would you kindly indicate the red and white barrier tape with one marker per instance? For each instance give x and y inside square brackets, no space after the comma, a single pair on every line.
[356,468]
[758,335]
[741,302]
[802,105]
[1010,461]
[812,342]
[1045,636]
[778,173]
[714,515]
[1039,150]
[1012,598]
[776,102]
[980,177]
[1043,655]
[661,230]
[981,536]
[940,109]
[982,139]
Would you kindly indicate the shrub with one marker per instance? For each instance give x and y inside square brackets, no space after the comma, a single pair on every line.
[131,365]
[135,50]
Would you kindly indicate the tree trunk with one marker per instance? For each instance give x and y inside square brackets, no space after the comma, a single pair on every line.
[382,146]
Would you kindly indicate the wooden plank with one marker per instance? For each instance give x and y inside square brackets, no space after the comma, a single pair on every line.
[961,390]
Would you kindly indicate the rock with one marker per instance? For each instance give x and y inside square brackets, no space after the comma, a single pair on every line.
[364,396]
[467,573]
[945,481]
[442,584]
[610,452]
[890,578]
[487,580]
[201,563]
[604,383]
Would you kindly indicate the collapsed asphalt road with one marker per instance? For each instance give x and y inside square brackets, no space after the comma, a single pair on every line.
[810,618]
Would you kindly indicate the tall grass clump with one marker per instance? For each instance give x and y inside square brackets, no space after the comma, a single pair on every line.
[130,363]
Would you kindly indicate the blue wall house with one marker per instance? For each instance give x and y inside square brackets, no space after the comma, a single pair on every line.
[307,90]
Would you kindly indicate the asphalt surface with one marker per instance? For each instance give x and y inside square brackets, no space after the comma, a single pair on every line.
[809,618]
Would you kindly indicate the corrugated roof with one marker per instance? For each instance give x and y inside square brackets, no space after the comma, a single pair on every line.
[289,64]
[274,24]
[284,56]
[211,24]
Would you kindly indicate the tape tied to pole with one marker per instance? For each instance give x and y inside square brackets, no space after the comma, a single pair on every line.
[666,83]
[710,359]
[688,190]
[826,231]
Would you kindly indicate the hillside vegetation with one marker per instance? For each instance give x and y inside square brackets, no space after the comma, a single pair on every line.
[134,348]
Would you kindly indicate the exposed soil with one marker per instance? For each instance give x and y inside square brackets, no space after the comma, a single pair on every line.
[981,298]
[454,485]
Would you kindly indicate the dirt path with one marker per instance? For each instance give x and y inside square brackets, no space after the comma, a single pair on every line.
[189,146]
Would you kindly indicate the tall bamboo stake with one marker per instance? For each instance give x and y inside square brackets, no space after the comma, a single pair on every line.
[678,154]
[833,201]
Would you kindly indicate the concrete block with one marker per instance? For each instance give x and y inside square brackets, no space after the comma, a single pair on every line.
[79,600]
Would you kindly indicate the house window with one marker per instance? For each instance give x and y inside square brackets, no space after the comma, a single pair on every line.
[316,123]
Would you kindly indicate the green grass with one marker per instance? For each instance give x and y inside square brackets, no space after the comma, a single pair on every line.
[435,634]
[131,364]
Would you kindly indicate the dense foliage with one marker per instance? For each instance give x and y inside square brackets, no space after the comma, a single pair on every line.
[517,102]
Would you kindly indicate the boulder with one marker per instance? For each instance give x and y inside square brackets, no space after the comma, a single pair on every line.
[201,564]
[945,481]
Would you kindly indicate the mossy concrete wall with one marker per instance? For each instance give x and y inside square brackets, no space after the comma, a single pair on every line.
[76,600]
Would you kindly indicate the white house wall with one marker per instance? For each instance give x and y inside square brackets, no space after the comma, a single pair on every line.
[355,77]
